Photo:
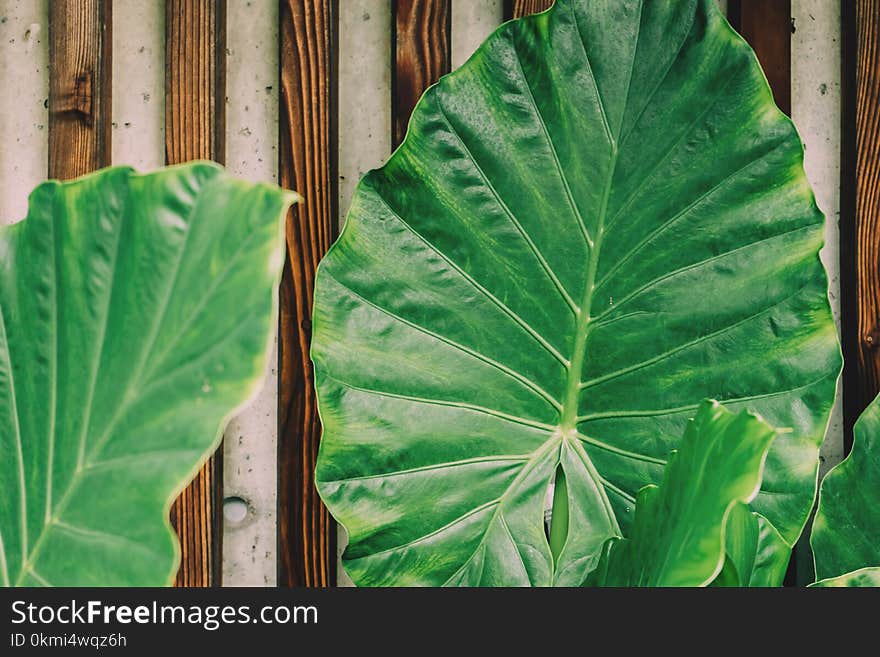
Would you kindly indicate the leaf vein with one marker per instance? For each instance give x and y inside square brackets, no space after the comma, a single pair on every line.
[432,467]
[513,219]
[515,545]
[695,265]
[150,342]
[42,580]
[656,167]
[679,215]
[659,84]
[686,345]
[436,532]
[443,402]
[619,450]
[473,353]
[552,147]
[578,449]
[101,344]
[602,112]
[86,532]
[203,301]
[611,415]
[477,286]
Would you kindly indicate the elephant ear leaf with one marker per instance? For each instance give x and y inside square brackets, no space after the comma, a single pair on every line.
[135,316]
[846,530]
[678,536]
[598,220]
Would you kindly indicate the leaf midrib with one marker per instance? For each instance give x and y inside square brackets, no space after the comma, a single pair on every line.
[570,404]
[568,414]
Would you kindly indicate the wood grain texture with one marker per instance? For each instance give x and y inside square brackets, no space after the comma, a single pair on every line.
[307,135]
[520,8]
[421,51]
[767,26]
[79,86]
[196,517]
[195,54]
[864,107]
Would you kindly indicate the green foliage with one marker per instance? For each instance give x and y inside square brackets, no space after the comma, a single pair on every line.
[756,555]
[599,220]
[846,530]
[678,536]
[136,313]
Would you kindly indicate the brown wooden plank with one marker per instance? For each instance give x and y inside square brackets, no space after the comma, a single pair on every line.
[79,87]
[307,134]
[767,26]
[421,55]
[860,208]
[195,89]
[853,404]
[519,8]
[195,55]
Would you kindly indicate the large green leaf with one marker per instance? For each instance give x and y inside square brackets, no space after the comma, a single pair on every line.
[678,536]
[135,316]
[846,529]
[596,222]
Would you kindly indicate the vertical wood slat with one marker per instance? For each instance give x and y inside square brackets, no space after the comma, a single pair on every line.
[307,134]
[766,25]
[195,129]
[421,51]
[195,108]
[520,8]
[860,206]
[79,87]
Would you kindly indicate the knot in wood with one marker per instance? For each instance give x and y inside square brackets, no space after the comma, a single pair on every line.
[77,96]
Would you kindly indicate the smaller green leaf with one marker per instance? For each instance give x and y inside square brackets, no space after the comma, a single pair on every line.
[846,531]
[756,555]
[862,578]
[136,314]
[678,532]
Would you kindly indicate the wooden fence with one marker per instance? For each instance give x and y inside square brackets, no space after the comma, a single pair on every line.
[312,94]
